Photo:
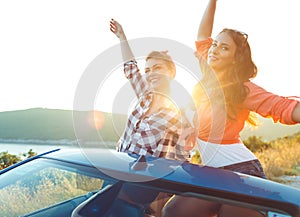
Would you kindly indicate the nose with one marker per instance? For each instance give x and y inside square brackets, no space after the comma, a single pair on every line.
[149,75]
[214,49]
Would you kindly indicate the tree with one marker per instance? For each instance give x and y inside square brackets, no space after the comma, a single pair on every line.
[7,159]
[255,143]
[29,154]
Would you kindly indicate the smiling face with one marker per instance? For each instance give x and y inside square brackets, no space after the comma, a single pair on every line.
[221,54]
[158,74]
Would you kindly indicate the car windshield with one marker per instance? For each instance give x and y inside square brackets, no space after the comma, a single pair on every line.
[49,187]
[43,183]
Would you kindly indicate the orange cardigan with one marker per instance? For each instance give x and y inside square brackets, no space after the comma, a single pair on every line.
[217,128]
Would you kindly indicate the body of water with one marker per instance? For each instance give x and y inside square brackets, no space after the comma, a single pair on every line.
[17,149]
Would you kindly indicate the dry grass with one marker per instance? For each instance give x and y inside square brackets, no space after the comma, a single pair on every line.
[282,158]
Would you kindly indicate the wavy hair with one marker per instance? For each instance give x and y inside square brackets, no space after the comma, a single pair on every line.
[242,70]
[231,87]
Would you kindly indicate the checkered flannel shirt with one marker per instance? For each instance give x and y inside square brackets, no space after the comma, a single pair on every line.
[155,134]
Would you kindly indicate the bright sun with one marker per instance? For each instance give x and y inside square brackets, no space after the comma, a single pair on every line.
[182,87]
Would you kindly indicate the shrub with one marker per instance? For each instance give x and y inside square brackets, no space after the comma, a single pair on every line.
[255,143]
[7,159]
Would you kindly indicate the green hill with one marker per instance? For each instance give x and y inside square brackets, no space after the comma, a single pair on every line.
[53,124]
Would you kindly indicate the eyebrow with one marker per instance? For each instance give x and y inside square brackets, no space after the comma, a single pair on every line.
[154,66]
[215,41]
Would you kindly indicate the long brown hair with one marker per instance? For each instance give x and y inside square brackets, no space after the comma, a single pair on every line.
[243,70]
[232,88]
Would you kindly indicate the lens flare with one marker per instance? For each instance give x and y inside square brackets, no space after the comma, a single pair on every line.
[96,119]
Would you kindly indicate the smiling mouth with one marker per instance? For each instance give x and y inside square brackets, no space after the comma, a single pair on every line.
[154,80]
[213,58]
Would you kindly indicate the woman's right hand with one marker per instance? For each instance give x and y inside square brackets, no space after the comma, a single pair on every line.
[117,29]
[190,137]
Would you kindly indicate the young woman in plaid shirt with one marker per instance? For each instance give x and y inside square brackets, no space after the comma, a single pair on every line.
[155,124]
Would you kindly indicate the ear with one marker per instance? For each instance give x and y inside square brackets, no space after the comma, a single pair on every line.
[173,74]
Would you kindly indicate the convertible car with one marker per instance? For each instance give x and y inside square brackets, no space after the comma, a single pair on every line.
[103,182]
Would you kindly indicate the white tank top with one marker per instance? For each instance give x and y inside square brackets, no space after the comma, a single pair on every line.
[216,155]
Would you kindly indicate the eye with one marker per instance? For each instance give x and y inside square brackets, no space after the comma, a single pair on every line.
[157,67]
[224,48]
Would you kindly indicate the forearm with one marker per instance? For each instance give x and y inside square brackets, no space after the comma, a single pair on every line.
[296,113]
[207,21]
[136,80]
[125,49]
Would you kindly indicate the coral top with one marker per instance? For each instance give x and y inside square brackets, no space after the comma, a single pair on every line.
[216,127]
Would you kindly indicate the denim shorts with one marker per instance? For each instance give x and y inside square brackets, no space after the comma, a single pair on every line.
[252,168]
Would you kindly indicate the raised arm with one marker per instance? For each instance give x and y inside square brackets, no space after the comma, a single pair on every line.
[117,29]
[207,21]
[131,70]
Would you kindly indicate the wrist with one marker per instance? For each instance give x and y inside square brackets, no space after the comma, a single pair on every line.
[122,37]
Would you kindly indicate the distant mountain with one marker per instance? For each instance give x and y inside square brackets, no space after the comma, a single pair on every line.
[53,124]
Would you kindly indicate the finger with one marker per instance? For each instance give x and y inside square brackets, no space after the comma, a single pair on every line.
[111,24]
[112,27]
[113,30]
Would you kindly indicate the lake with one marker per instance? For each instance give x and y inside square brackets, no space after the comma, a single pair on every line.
[17,149]
[21,148]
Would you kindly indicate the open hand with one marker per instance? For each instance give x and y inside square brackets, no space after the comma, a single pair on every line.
[117,29]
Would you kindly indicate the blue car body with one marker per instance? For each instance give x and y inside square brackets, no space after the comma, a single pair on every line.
[173,177]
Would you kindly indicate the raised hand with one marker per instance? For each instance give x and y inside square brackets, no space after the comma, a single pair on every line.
[117,29]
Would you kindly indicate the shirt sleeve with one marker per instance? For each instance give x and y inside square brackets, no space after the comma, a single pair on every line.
[267,104]
[202,47]
[132,73]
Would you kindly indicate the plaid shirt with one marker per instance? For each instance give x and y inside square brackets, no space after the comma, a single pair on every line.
[155,134]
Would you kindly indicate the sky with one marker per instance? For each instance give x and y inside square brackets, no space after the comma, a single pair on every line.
[47,46]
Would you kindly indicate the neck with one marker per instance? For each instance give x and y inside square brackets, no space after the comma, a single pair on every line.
[159,101]
[163,91]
